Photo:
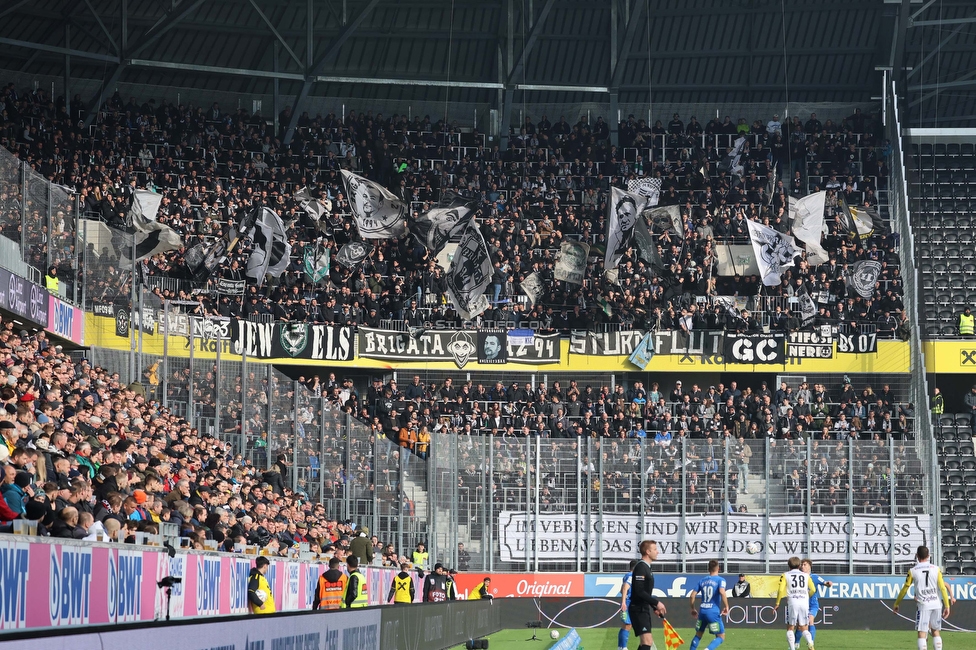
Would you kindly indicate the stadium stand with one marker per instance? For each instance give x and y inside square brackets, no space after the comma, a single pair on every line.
[946,261]
[547,186]
[211,166]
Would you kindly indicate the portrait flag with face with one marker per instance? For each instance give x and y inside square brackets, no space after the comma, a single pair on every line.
[625,209]
[571,262]
[775,252]
[470,273]
[378,213]
[434,228]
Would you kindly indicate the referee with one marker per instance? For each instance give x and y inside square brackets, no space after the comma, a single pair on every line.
[642,601]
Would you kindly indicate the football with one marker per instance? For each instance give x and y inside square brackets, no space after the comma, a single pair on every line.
[753,547]
[554,634]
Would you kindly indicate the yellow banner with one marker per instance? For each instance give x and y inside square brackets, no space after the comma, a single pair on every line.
[892,357]
[950,356]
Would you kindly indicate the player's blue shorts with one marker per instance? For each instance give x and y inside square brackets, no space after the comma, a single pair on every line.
[814,607]
[625,617]
[711,620]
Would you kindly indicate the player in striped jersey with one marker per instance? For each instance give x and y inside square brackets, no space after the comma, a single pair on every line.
[931,598]
[797,588]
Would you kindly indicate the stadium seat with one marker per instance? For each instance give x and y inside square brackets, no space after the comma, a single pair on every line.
[952,571]
[969,570]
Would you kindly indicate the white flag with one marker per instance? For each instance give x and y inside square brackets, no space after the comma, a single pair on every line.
[666,218]
[625,209]
[145,207]
[470,273]
[649,188]
[807,215]
[808,309]
[378,213]
[434,228]
[732,163]
[571,261]
[533,288]
[774,252]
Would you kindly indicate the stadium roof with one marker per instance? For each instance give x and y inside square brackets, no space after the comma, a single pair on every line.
[491,51]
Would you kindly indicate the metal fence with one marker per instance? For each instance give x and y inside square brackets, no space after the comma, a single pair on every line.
[39,225]
[901,221]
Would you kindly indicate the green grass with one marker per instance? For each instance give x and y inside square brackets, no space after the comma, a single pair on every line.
[738,639]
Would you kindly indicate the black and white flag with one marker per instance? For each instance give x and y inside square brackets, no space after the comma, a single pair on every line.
[728,304]
[807,215]
[775,252]
[202,259]
[666,218]
[571,261]
[863,277]
[143,210]
[314,207]
[352,254]
[271,252]
[646,245]
[378,213]
[470,274]
[625,209]
[144,235]
[533,288]
[854,220]
[648,187]
[434,228]
[732,163]
[808,309]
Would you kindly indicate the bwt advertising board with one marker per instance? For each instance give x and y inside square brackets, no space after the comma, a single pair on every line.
[669,585]
[46,585]
[332,631]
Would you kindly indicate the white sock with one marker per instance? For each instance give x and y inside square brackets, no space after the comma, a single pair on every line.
[791,637]
[921,644]
[808,638]
[937,642]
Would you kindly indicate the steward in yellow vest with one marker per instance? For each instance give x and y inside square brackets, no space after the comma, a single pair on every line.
[259,595]
[402,590]
[419,558]
[966,323]
[331,586]
[355,594]
[482,591]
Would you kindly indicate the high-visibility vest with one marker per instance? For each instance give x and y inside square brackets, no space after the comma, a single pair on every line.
[938,404]
[268,607]
[362,596]
[420,559]
[51,283]
[401,589]
[330,593]
[476,594]
[966,323]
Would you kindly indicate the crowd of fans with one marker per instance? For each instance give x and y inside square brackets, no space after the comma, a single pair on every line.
[550,184]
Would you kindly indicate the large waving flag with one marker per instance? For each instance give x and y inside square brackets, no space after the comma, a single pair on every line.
[625,209]
[775,252]
[378,213]
[434,228]
[807,215]
[470,273]
[272,251]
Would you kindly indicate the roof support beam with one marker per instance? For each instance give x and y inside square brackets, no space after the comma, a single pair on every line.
[108,58]
[312,74]
[530,41]
[104,29]
[960,25]
[15,7]
[274,31]
[935,23]
[212,69]
[930,95]
[153,34]
[636,20]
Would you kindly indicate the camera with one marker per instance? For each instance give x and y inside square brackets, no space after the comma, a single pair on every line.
[169,581]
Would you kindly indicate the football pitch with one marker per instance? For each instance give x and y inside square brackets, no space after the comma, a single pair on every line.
[738,639]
